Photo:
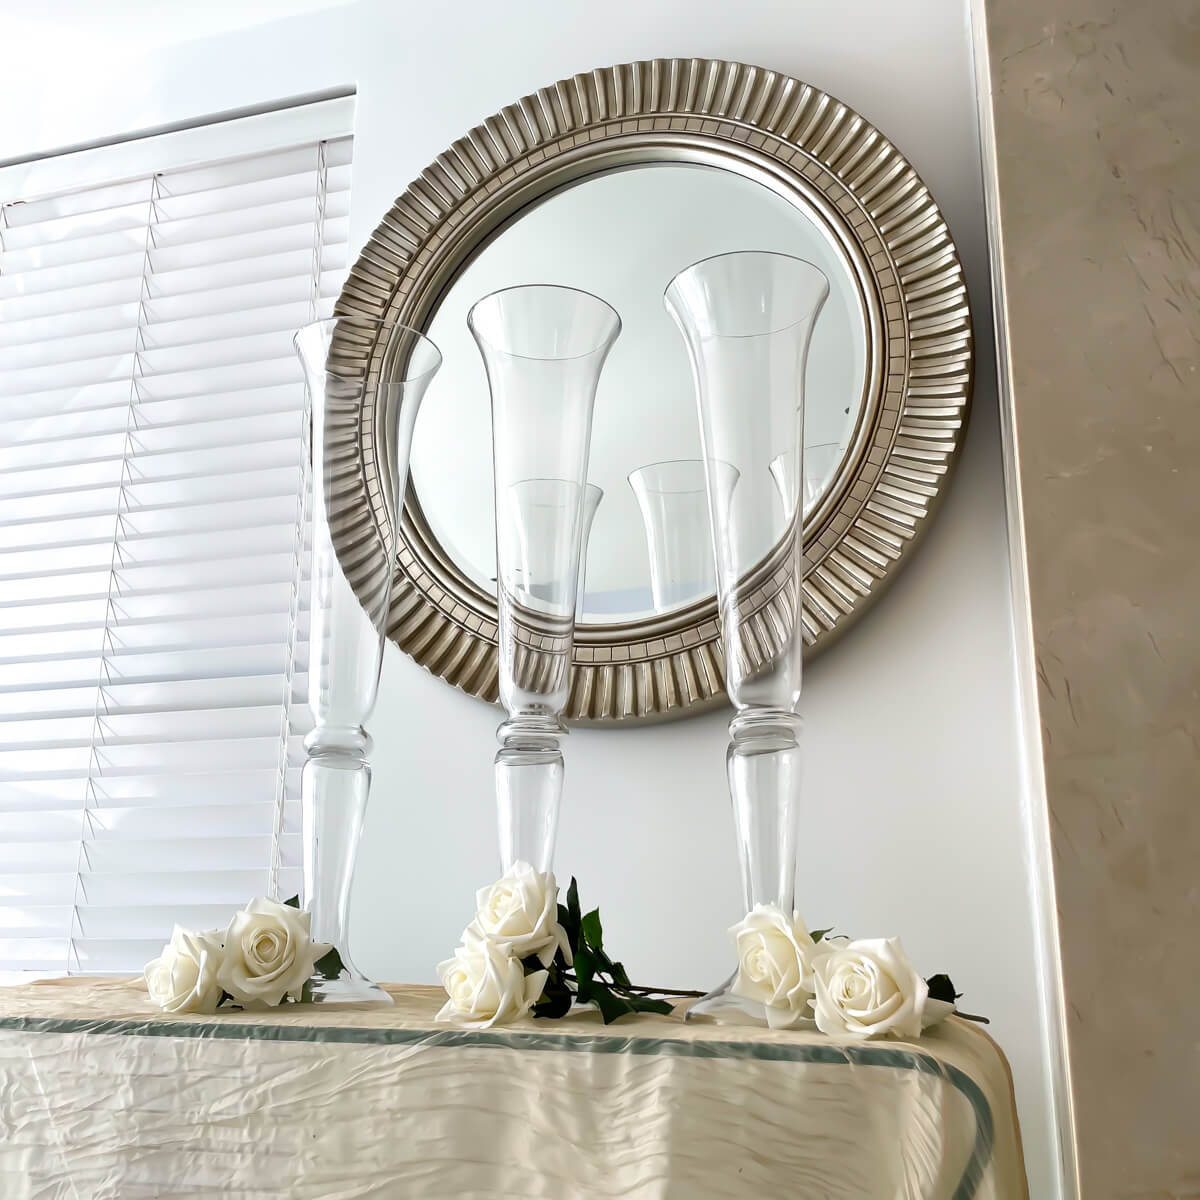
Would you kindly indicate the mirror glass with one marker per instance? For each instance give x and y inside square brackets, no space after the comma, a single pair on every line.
[623,235]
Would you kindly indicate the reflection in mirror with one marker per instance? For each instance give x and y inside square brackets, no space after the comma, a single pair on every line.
[623,235]
[820,467]
[592,495]
[674,508]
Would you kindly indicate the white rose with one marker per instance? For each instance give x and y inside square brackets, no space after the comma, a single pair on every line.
[487,984]
[520,911]
[774,954]
[268,953]
[184,977]
[868,988]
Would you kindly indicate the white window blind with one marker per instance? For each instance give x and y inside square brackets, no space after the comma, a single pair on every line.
[152,592]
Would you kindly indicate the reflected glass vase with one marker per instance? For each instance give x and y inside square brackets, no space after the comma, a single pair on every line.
[817,473]
[348,616]
[747,319]
[543,348]
[592,495]
[672,499]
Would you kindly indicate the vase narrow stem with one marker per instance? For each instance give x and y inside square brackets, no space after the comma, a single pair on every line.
[335,785]
[529,781]
[765,765]
[334,791]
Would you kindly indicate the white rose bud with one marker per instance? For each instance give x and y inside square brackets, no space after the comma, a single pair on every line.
[868,988]
[268,954]
[520,911]
[184,977]
[487,985]
[774,954]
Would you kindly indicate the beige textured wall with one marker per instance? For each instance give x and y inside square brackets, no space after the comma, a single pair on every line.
[1096,109]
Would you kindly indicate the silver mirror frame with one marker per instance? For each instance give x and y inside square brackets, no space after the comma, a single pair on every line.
[809,148]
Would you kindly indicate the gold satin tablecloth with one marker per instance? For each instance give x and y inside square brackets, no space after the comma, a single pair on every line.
[104,1098]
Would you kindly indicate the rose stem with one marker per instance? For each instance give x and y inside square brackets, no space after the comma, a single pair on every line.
[649,990]
[664,991]
[972,1017]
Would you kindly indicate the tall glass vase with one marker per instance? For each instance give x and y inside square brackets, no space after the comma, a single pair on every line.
[348,618]
[543,349]
[747,319]
[672,499]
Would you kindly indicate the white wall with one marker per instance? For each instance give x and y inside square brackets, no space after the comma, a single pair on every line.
[915,787]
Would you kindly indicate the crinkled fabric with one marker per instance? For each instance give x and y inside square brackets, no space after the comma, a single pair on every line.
[102,1098]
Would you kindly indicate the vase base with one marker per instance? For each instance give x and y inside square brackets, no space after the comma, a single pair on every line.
[725,1008]
[348,988]
[722,1006]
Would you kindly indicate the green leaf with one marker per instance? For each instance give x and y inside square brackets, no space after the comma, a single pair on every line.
[617,971]
[573,901]
[585,969]
[818,934]
[553,1007]
[330,965]
[942,988]
[569,927]
[555,1000]
[612,1007]
[606,966]
[306,992]
[294,902]
[593,932]
[646,1004]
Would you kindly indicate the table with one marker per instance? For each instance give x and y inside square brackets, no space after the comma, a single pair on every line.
[104,1098]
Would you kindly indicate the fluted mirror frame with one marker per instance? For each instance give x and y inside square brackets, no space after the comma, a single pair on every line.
[806,146]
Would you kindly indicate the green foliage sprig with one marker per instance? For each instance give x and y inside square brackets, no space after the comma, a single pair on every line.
[592,976]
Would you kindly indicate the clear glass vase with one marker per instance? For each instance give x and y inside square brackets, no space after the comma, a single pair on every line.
[673,501]
[543,348]
[348,619]
[747,319]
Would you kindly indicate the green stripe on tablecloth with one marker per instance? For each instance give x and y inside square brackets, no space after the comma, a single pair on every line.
[859,1056]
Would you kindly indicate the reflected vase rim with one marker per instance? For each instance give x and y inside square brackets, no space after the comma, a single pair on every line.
[642,476]
[603,344]
[697,268]
[586,486]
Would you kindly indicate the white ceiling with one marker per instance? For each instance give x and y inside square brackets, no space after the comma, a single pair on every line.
[47,26]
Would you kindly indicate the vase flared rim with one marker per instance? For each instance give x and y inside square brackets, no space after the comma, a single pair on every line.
[372,326]
[808,315]
[586,486]
[668,462]
[727,468]
[604,343]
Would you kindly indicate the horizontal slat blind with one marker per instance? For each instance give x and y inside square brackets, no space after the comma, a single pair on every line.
[153,604]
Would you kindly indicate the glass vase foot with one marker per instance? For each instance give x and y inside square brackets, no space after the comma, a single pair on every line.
[350,987]
[725,1008]
[722,1006]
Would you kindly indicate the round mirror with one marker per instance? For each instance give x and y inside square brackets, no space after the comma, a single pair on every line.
[611,182]
[623,235]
